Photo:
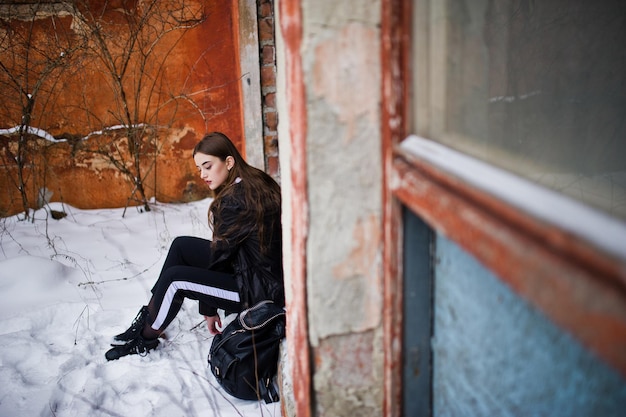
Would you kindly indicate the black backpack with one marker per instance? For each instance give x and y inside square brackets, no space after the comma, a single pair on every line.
[244,357]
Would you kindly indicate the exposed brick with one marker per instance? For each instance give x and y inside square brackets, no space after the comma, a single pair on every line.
[265,14]
[265,9]
[268,76]
[270,100]
[270,144]
[266,31]
[271,121]
[273,166]
[268,54]
[268,89]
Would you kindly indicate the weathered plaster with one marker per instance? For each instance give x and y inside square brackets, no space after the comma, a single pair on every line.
[250,82]
[340,55]
[346,363]
[349,62]
[42,10]
[332,203]
[344,248]
[344,168]
[201,71]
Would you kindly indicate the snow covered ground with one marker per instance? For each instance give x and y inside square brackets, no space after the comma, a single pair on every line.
[67,286]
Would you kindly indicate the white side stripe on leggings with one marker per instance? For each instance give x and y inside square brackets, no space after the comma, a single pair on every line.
[189,286]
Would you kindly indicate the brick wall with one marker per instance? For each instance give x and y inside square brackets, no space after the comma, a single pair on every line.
[265,15]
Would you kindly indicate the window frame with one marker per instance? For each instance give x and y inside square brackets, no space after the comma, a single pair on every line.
[561,274]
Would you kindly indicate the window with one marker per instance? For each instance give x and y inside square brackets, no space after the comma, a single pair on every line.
[503,133]
[535,87]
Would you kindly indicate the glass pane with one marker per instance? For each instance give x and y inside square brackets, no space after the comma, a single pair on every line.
[536,87]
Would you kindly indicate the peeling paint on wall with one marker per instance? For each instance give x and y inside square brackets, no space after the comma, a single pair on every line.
[339,76]
[341,51]
[363,257]
[196,90]
[347,362]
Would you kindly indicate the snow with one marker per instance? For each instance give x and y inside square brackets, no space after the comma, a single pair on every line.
[67,286]
[47,136]
[589,224]
[31,130]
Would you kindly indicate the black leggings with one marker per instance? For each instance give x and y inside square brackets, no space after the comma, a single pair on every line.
[185,274]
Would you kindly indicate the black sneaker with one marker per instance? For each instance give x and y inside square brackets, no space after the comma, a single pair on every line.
[135,328]
[137,346]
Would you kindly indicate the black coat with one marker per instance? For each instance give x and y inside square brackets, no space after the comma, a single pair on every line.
[259,274]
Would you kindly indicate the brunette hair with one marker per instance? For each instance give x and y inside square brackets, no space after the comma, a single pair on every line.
[260,192]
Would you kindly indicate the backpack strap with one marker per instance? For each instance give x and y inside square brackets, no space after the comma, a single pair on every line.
[260,315]
[267,391]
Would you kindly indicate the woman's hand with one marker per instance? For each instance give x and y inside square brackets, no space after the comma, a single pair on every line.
[214,323]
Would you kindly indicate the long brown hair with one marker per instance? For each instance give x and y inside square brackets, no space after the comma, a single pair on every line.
[261,192]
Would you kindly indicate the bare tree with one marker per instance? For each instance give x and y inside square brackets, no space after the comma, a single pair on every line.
[36,46]
[131,46]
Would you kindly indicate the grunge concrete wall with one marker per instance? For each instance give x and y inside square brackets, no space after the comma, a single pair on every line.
[344,163]
[340,70]
[204,65]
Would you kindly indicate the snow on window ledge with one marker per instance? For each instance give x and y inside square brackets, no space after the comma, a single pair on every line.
[605,232]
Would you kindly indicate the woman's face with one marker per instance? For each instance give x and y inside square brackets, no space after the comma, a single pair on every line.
[212,169]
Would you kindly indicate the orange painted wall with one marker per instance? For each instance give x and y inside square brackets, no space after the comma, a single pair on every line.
[203,66]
